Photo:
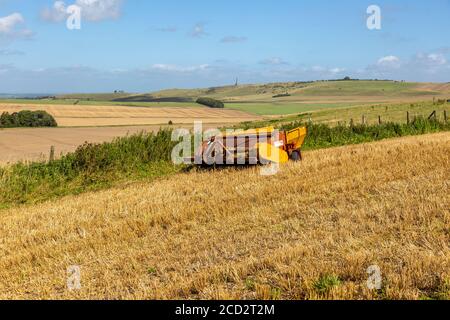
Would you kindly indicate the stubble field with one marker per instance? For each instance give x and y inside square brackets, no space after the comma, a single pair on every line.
[97,124]
[95,116]
[309,232]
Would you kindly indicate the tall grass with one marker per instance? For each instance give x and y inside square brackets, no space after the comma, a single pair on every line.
[324,136]
[90,167]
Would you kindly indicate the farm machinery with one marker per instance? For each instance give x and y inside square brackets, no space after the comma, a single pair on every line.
[251,147]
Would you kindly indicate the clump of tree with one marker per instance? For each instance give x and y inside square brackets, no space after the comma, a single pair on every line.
[210,102]
[281,95]
[27,118]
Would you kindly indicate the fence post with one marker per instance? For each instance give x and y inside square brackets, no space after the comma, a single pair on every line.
[433,114]
[363,119]
[52,154]
[445,115]
[407,117]
[351,122]
[379,120]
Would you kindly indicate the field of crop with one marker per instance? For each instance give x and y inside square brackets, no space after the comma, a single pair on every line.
[236,234]
[94,116]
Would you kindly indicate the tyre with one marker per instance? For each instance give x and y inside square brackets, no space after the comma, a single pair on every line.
[296,156]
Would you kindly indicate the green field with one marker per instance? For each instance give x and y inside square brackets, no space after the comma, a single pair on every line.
[365,88]
[334,115]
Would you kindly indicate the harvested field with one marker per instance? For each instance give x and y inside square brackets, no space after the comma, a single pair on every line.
[33,144]
[237,234]
[93,116]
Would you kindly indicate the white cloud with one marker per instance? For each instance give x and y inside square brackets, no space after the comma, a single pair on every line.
[432,59]
[56,13]
[432,66]
[274,61]
[9,23]
[336,70]
[389,62]
[12,26]
[198,31]
[175,68]
[97,10]
[91,10]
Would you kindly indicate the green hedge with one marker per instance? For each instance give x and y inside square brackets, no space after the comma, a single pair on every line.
[324,136]
[210,102]
[90,167]
[27,119]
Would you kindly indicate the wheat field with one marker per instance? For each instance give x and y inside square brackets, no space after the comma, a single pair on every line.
[234,234]
[97,116]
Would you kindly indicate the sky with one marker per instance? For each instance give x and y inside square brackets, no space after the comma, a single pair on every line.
[143,46]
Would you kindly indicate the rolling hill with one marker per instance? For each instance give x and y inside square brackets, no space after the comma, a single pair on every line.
[295,90]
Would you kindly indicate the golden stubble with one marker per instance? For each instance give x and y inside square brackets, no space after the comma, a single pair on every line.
[234,234]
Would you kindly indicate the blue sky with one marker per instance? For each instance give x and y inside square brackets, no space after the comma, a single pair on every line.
[141,46]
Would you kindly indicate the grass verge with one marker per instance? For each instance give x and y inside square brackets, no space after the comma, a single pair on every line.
[90,167]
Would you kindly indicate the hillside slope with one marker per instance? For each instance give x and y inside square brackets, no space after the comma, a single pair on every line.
[237,234]
[296,90]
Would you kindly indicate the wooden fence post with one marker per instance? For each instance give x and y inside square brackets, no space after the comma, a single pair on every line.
[445,115]
[407,117]
[433,114]
[363,119]
[52,154]
[379,120]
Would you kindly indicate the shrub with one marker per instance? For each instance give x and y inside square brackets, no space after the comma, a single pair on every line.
[27,118]
[281,95]
[210,102]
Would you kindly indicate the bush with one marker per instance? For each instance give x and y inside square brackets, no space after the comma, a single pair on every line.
[281,95]
[27,119]
[210,102]
[324,136]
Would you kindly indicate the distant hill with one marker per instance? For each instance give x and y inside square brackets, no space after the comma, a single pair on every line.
[285,91]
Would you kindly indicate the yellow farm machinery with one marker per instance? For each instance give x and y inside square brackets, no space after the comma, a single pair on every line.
[251,147]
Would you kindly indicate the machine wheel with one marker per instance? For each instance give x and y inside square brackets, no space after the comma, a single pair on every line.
[296,156]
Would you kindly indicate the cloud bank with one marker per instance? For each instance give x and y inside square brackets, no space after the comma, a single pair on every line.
[13,27]
[91,10]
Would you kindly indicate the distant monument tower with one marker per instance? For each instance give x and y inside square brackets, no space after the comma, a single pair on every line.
[237,81]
